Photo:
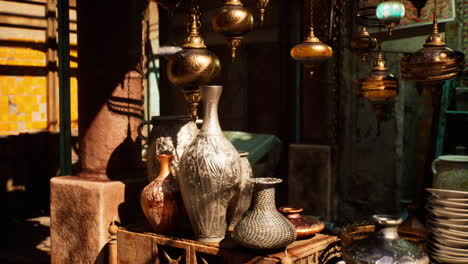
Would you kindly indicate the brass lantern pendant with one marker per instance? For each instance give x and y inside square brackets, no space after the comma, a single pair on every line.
[233,21]
[311,52]
[364,43]
[262,5]
[194,65]
[380,87]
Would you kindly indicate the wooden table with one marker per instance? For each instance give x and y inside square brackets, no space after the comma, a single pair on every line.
[137,246]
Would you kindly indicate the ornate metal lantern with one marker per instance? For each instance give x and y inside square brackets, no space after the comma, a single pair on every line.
[233,21]
[311,52]
[380,87]
[194,65]
[364,43]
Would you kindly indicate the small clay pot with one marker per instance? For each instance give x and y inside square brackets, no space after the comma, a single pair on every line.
[306,227]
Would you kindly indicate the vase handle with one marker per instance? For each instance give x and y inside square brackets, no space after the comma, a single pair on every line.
[434,166]
[140,127]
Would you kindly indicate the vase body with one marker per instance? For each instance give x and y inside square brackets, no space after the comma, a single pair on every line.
[306,227]
[264,227]
[244,196]
[210,174]
[384,246]
[451,172]
[161,200]
[170,134]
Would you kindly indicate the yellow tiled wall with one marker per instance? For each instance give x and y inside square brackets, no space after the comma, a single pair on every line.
[23,99]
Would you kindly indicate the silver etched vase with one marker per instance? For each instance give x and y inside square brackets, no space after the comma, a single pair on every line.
[245,190]
[264,227]
[210,174]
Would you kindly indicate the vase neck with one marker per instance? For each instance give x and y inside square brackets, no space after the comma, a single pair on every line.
[210,96]
[387,232]
[264,197]
[165,161]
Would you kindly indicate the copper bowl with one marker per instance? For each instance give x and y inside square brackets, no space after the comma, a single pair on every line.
[306,227]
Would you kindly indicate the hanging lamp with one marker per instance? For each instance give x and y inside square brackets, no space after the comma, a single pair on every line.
[233,21]
[311,52]
[364,43]
[380,87]
[194,65]
[434,63]
[262,5]
[390,13]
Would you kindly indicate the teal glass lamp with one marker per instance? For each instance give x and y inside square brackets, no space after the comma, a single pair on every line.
[390,13]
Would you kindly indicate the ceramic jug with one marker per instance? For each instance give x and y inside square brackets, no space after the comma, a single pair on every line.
[451,172]
[169,134]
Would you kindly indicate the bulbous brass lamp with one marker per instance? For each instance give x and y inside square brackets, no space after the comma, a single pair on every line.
[262,5]
[194,65]
[380,87]
[233,21]
[311,52]
[434,63]
[364,43]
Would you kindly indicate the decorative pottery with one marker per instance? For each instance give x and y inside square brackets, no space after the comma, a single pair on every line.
[244,196]
[451,172]
[170,134]
[390,13]
[209,174]
[233,21]
[161,200]
[384,246]
[311,52]
[264,227]
[193,65]
[364,43]
[306,227]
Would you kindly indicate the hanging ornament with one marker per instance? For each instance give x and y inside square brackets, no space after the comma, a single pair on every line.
[390,13]
[262,5]
[364,43]
[233,21]
[434,63]
[380,87]
[311,52]
[194,65]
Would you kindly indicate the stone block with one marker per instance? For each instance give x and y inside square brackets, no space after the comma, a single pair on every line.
[81,212]
[310,182]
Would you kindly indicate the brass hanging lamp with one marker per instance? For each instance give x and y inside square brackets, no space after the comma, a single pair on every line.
[380,87]
[233,21]
[262,5]
[311,52]
[364,43]
[434,63]
[194,65]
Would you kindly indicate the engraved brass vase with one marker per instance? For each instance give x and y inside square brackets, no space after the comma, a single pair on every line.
[233,21]
[209,174]
[161,200]
[311,52]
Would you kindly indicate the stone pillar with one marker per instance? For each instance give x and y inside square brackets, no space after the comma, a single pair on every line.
[110,107]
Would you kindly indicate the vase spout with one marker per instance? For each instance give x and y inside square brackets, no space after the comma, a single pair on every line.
[210,96]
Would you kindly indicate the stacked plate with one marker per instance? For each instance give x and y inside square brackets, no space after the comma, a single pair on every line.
[448,226]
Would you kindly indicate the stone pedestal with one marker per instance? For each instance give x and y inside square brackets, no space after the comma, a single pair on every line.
[81,212]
